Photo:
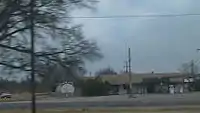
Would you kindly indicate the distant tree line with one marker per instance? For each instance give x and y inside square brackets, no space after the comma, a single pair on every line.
[89,87]
[106,71]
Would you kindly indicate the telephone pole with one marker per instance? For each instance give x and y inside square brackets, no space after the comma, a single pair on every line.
[192,68]
[32,35]
[126,67]
[129,70]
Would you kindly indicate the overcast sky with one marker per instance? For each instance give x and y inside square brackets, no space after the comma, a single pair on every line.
[161,44]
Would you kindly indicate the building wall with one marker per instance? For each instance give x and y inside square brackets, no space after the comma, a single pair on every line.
[159,85]
[161,88]
[136,89]
[140,89]
[122,90]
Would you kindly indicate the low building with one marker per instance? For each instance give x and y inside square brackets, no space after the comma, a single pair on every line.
[148,82]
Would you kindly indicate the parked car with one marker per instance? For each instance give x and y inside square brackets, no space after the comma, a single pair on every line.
[5,95]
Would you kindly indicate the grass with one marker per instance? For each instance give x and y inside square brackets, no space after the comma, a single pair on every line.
[187,109]
[24,97]
[13,99]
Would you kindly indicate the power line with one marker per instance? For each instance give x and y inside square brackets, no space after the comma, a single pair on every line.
[134,16]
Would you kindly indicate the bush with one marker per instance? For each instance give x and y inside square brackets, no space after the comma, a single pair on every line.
[95,87]
[197,85]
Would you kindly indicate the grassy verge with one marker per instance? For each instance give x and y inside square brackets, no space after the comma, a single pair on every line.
[14,99]
[191,109]
[24,97]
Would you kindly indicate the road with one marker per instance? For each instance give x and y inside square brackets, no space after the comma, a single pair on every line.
[111,101]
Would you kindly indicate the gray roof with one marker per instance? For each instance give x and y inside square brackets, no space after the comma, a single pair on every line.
[138,78]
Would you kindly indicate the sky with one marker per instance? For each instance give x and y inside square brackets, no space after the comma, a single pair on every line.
[161,44]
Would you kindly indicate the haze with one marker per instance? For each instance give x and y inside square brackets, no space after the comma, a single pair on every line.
[158,43]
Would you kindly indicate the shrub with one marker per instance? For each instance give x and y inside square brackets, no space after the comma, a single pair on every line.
[197,85]
[95,87]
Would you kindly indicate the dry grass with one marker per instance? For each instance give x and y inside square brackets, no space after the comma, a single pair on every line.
[24,97]
[192,109]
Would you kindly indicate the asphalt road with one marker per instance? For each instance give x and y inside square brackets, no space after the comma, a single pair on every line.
[111,101]
[91,104]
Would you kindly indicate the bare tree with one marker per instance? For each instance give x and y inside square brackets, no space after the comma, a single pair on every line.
[58,41]
[189,68]
[106,71]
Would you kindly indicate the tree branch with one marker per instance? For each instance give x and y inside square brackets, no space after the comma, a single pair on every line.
[6,12]
[10,34]
[38,54]
[15,48]
[22,67]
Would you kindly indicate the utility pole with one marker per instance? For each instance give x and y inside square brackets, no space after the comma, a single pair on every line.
[126,67]
[192,68]
[32,35]
[130,77]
